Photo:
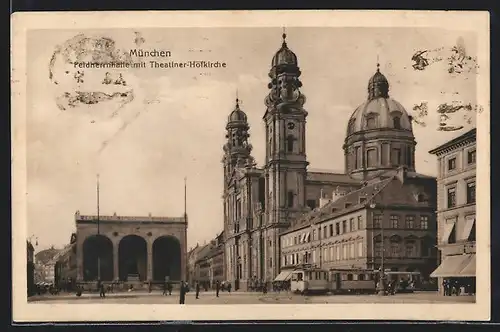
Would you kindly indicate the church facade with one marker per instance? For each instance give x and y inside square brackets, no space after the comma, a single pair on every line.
[261,204]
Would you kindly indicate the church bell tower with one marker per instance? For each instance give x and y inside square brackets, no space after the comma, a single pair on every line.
[286,162]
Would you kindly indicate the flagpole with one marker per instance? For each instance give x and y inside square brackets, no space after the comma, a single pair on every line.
[186,269]
[98,233]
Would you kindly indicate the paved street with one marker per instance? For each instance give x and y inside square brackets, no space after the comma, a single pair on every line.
[248,298]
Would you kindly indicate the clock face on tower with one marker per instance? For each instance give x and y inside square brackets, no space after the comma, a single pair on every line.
[291,125]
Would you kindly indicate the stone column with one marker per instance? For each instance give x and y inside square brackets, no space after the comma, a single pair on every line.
[116,261]
[149,265]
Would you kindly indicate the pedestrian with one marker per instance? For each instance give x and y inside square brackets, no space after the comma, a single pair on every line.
[169,287]
[197,290]
[165,288]
[102,292]
[445,287]
[217,288]
[229,287]
[149,286]
[182,297]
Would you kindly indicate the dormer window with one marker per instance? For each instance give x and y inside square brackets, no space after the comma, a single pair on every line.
[371,122]
[348,205]
[362,200]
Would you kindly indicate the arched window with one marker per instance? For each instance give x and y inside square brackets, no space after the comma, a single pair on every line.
[396,121]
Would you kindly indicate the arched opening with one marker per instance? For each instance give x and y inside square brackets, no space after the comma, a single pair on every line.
[166,258]
[132,253]
[97,258]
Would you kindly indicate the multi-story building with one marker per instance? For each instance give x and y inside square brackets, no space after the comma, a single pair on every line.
[456,236]
[261,204]
[45,265]
[393,213]
[65,265]
[30,268]
[210,263]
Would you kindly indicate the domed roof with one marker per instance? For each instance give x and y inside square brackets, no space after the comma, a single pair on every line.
[284,56]
[379,111]
[237,115]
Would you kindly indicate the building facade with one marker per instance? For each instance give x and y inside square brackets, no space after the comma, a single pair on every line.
[130,249]
[45,265]
[456,236]
[261,205]
[65,265]
[209,265]
[393,213]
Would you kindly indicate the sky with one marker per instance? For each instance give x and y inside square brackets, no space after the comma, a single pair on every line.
[175,125]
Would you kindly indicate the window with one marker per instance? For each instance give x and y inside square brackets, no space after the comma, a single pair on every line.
[351,250]
[352,226]
[451,197]
[360,249]
[471,192]
[371,157]
[270,243]
[424,222]
[396,121]
[371,122]
[347,205]
[356,158]
[377,221]
[311,203]
[337,252]
[396,156]
[360,222]
[337,228]
[361,277]
[349,277]
[290,199]
[331,229]
[344,226]
[410,250]
[452,164]
[270,262]
[325,234]
[395,249]
[394,221]
[362,200]
[294,240]
[289,142]
[410,222]
[344,251]
[378,249]
[332,254]
[471,157]
[314,235]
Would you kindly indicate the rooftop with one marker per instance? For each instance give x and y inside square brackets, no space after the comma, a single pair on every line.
[455,142]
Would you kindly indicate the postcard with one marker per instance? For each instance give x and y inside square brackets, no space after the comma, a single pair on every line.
[250,165]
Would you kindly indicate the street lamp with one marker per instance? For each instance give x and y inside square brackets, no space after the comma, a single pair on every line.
[381,284]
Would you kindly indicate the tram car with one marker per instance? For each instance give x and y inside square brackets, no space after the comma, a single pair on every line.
[352,281]
[309,281]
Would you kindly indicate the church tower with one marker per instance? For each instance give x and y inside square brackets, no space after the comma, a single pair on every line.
[286,163]
[237,150]
[379,134]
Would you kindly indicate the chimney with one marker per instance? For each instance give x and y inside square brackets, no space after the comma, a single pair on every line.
[337,193]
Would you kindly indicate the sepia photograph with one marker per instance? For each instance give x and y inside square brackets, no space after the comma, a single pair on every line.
[250,165]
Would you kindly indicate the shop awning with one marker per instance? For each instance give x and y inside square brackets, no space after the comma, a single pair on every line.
[470,268]
[469,223]
[448,228]
[451,266]
[283,276]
